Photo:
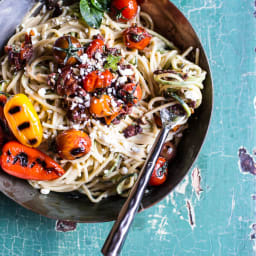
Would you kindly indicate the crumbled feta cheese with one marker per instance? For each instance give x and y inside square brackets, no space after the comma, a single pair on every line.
[135,149]
[42,92]
[124,170]
[98,56]
[113,103]
[59,70]
[122,80]
[126,72]
[76,126]
[82,71]
[45,191]
[84,58]
[191,95]
[78,99]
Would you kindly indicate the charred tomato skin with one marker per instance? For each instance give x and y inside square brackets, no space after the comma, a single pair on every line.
[123,10]
[159,174]
[66,50]
[131,93]
[97,80]
[136,38]
[95,46]
[73,144]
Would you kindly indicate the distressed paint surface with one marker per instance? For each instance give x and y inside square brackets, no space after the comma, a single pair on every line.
[224,213]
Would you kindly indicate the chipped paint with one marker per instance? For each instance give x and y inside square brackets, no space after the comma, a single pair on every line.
[246,162]
[191,214]
[65,226]
[196,182]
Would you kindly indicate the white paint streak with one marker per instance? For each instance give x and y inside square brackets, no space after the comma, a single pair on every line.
[233,204]
[181,188]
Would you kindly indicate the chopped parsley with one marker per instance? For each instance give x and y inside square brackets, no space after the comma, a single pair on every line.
[112,62]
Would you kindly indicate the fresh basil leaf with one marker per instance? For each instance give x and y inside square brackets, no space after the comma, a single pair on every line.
[105,4]
[98,5]
[91,15]
[112,62]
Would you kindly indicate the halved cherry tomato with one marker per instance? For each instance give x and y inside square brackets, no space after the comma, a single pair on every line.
[123,10]
[95,46]
[97,80]
[72,144]
[101,107]
[136,37]
[159,174]
[66,50]
[131,93]
[109,119]
[28,163]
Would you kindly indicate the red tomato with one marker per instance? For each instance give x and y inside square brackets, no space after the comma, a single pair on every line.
[95,46]
[131,93]
[159,174]
[123,10]
[136,38]
[97,80]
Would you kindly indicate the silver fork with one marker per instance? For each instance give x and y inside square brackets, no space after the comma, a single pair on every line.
[119,231]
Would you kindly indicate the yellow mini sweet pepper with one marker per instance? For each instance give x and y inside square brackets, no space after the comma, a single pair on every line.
[23,120]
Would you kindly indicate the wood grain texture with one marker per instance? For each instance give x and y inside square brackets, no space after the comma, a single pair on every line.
[225,209]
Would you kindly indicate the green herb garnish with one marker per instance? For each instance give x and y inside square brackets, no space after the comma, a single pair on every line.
[92,11]
[112,62]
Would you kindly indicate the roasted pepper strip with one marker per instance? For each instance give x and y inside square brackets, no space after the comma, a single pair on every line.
[23,120]
[28,163]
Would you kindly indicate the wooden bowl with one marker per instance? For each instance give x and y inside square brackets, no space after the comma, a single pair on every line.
[169,22]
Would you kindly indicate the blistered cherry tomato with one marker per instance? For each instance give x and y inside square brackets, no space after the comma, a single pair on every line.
[66,50]
[124,10]
[131,93]
[159,174]
[95,46]
[101,106]
[72,144]
[97,80]
[136,37]
[168,151]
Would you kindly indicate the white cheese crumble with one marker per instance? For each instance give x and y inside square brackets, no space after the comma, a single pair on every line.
[125,72]
[42,92]
[135,149]
[84,58]
[124,170]
[122,80]
[45,191]
[191,95]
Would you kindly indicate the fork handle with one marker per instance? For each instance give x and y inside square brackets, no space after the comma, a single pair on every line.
[119,231]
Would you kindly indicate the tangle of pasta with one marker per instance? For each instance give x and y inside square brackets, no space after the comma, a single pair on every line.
[113,163]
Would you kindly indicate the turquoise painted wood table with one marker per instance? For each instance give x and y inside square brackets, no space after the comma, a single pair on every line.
[219,220]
